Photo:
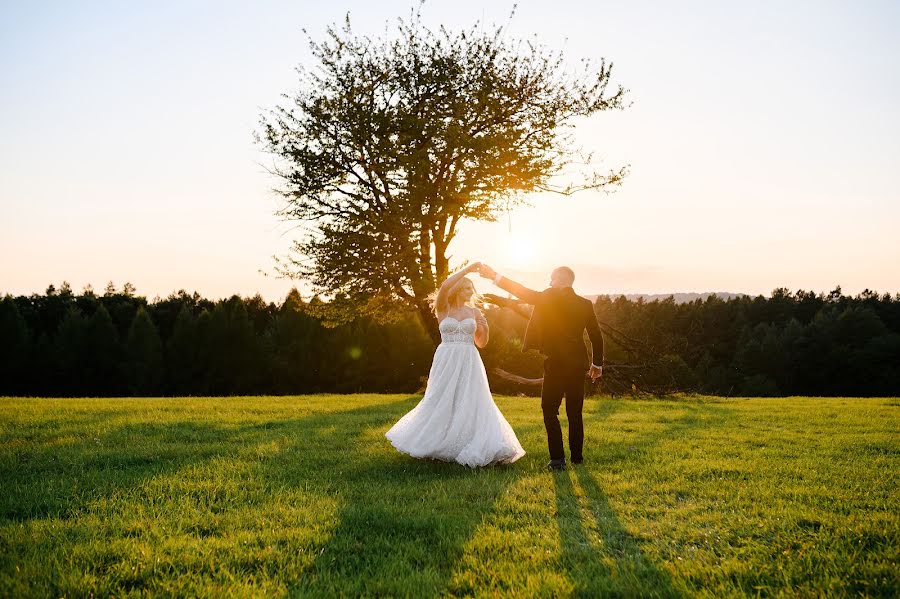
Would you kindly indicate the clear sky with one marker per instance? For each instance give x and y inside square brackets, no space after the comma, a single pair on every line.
[764,144]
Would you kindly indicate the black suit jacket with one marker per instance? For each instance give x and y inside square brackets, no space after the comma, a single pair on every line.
[557,325]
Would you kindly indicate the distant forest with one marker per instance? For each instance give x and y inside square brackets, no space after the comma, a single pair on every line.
[119,344]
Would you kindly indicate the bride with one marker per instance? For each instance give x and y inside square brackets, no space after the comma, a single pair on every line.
[457,419]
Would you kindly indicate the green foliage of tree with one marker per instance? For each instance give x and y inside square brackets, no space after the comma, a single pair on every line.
[850,346]
[121,308]
[144,366]
[182,355]
[790,344]
[204,352]
[103,353]
[166,311]
[294,336]
[388,144]
[71,353]
[15,348]
[233,349]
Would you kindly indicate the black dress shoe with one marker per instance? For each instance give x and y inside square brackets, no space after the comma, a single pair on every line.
[557,464]
[578,461]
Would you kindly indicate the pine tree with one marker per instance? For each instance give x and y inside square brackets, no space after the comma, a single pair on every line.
[102,355]
[201,382]
[144,366]
[71,355]
[233,364]
[14,348]
[181,354]
[294,337]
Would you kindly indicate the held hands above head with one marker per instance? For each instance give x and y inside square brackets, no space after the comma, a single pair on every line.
[483,269]
[487,272]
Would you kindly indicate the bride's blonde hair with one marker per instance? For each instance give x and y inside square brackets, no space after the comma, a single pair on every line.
[473,302]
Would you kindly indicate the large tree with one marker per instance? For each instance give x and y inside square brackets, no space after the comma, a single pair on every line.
[390,142]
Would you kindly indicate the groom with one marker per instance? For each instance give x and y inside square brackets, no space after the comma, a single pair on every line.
[556,329]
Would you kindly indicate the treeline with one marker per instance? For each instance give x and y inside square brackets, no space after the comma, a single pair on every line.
[800,343]
[62,344]
[118,343]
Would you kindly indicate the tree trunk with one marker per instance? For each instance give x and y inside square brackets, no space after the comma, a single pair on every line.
[441,266]
[429,321]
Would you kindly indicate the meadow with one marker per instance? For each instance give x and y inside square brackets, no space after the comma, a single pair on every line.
[303,496]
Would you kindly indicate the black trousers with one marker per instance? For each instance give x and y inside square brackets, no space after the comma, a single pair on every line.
[563,380]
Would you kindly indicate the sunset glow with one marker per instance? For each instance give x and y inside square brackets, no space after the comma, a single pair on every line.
[520,252]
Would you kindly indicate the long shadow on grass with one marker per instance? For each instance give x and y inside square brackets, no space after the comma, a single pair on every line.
[611,565]
[67,480]
[402,523]
[608,560]
[46,478]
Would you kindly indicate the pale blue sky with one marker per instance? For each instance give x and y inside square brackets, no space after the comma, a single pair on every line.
[764,141]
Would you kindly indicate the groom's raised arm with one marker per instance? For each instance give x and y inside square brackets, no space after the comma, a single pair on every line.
[520,291]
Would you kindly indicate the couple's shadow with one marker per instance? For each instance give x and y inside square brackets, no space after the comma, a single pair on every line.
[600,556]
[402,525]
[375,522]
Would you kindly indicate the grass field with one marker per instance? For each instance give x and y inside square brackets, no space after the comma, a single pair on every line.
[304,496]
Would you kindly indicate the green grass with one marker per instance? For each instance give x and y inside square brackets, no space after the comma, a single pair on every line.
[303,496]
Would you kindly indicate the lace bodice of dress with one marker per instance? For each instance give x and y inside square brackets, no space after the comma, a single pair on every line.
[458,331]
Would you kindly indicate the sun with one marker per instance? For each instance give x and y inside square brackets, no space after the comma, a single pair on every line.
[519,251]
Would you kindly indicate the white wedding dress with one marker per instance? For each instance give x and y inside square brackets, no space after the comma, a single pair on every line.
[457,419]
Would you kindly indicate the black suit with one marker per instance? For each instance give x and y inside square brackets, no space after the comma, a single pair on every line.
[556,329]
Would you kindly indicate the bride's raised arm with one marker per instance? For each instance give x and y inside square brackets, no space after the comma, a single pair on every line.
[440,302]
